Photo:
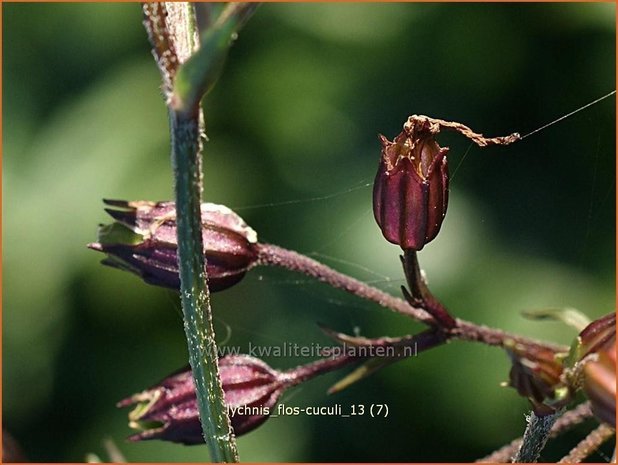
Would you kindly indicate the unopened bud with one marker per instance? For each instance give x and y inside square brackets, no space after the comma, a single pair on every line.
[143,241]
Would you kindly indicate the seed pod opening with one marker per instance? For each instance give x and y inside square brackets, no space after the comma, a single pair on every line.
[143,241]
[410,193]
[169,410]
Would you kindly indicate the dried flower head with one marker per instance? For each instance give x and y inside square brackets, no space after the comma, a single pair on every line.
[536,373]
[410,192]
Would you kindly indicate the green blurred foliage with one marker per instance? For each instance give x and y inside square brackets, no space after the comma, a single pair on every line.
[306,89]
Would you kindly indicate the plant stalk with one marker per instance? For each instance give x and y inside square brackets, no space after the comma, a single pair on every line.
[569,420]
[589,444]
[194,290]
[420,295]
[270,254]
[273,255]
[535,437]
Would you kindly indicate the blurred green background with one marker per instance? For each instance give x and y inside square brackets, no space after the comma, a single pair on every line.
[295,116]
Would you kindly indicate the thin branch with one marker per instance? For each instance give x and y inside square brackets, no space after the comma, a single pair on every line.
[503,455]
[278,256]
[163,49]
[589,444]
[535,437]
[569,420]
[301,373]
[420,295]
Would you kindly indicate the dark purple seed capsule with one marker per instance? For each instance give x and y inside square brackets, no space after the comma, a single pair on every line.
[169,410]
[143,241]
[410,193]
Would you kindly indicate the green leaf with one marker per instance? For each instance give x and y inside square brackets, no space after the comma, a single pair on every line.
[366,369]
[198,75]
[569,316]
[117,233]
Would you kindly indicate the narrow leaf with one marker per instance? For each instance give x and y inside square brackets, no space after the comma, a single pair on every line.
[569,316]
[366,369]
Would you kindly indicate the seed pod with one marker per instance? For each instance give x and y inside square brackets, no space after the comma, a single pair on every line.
[410,192]
[169,410]
[143,241]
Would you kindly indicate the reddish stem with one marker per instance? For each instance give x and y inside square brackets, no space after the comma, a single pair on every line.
[420,294]
[273,255]
[589,444]
[311,370]
[269,254]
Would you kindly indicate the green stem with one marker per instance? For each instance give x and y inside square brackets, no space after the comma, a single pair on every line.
[194,290]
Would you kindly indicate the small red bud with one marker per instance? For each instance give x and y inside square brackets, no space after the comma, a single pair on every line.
[143,241]
[410,193]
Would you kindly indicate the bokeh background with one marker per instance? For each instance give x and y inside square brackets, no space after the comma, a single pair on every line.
[295,116]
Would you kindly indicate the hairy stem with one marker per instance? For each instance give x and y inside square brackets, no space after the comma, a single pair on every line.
[326,365]
[194,290]
[189,69]
[200,72]
[589,444]
[535,437]
[566,422]
[273,255]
